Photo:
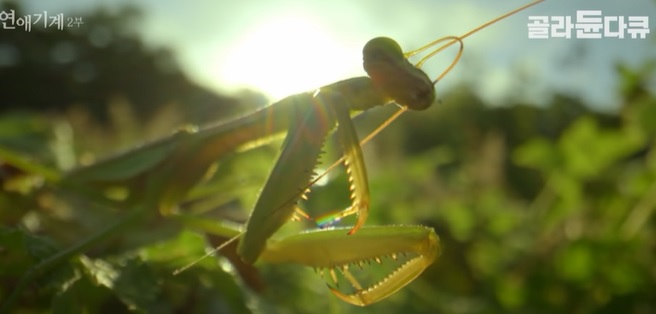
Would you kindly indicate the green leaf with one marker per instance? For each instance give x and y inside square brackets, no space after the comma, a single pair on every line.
[460,219]
[132,281]
[16,259]
[21,250]
[538,153]
[589,151]
[576,263]
[137,285]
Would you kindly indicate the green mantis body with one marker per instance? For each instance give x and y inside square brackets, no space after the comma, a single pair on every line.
[172,166]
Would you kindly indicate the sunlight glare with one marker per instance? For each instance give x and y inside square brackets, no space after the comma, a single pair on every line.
[286,55]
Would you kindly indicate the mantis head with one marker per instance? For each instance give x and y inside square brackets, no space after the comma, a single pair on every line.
[390,71]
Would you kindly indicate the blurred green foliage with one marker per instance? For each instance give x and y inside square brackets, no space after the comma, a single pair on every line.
[539,210]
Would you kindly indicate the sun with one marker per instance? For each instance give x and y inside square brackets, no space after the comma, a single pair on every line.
[286,55]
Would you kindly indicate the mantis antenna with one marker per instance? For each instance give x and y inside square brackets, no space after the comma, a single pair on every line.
[208,254]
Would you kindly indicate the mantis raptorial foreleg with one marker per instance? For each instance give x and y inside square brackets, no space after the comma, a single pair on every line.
[330,250]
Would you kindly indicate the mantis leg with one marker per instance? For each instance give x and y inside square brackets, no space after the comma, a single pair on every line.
[409,250]
[335,250]
[355,167]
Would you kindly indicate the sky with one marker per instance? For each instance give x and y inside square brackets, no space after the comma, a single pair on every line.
[284,47]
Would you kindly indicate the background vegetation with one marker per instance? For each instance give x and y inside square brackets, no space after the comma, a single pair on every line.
[539,209]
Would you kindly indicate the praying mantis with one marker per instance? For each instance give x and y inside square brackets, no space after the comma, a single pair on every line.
[154,175]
